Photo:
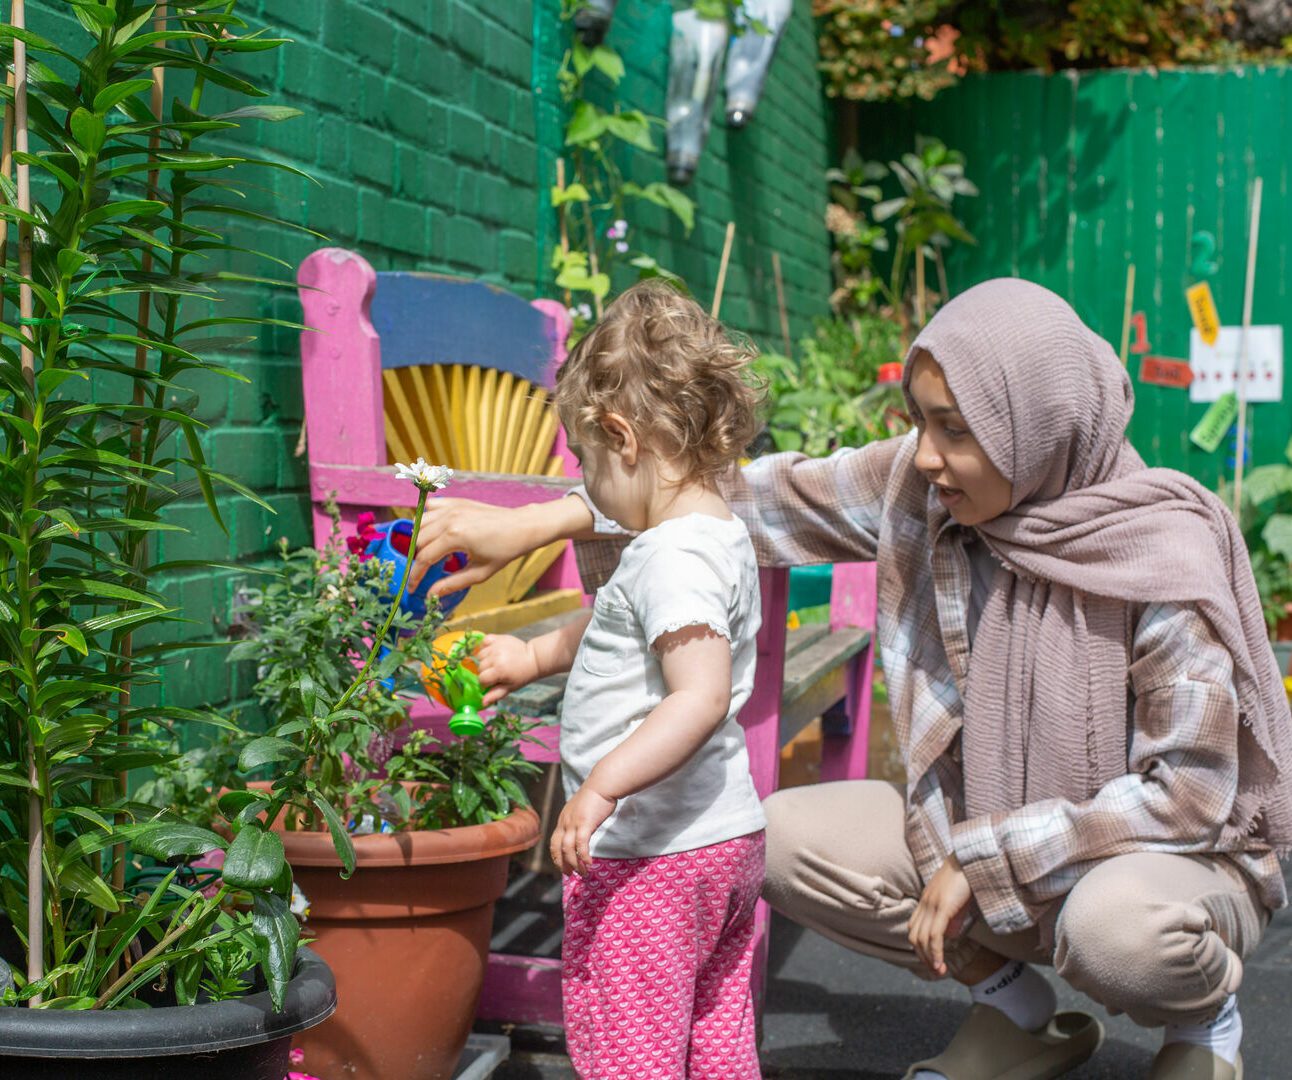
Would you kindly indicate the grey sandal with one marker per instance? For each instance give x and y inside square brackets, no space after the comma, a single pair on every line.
[1180,1061]
[990,1046]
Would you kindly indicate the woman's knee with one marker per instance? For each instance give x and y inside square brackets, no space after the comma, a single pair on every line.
[1124,941]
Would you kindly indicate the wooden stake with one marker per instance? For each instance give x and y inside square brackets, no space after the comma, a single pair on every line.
[920,301]
[592,254]
[780,301]
[560,216]
[6,158]
[722,269]
[1126,313]
[1252,236]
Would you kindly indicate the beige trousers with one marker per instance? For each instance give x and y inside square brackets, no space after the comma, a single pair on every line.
[1159,937]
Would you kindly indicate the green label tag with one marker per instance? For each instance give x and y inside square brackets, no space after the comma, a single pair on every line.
[1215,422]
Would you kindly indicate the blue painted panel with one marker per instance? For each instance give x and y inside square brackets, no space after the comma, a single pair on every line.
[429,319]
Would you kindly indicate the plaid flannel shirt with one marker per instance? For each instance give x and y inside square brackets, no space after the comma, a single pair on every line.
[1181,771]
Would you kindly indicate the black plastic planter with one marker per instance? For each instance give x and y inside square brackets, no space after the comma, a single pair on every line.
[227,1040]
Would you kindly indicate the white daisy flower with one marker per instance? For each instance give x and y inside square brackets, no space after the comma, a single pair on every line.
[427,477]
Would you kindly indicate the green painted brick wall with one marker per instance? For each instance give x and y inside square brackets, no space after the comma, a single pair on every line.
[432,151]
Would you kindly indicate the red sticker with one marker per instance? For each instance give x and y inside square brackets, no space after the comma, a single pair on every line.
[1139,323]
[1161,371]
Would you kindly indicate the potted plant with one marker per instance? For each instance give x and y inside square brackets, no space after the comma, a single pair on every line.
[400,843]
[95,402]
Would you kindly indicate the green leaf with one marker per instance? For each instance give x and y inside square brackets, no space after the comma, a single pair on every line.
[254,859]
[203,478]
[79,879]
[266,749]
[272,113]
[100,15]
[1277,535]
[274,924]
[105,589]
[608,62]
[88,130]
[106,98]
[574,193]
[340,836]
[164,840]
[465,798]
[122,208]
[632,127]
[232,803]
[586,125]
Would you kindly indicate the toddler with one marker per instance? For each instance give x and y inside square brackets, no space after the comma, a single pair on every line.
[661,837]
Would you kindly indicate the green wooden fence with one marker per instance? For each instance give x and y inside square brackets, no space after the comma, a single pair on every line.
[1084,173]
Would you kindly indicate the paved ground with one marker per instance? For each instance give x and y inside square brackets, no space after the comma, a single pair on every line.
[831,1014]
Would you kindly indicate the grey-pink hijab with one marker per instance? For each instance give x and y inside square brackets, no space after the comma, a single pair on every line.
[1091,532]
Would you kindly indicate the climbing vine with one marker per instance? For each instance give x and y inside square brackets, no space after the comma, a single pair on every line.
[593,199]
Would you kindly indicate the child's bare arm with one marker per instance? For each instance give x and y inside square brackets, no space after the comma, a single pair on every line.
[507,663]
[696,663]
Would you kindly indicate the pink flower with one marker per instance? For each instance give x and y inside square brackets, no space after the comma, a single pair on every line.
[297,1056]
[300,1076]
[365,534]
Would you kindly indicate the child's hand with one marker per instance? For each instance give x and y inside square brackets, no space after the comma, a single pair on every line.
[583,815]
[506,663]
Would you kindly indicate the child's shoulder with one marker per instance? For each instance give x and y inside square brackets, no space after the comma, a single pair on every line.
[721,543]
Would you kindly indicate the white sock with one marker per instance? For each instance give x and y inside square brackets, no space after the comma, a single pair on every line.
[1017,990]
[1020,992]
[1221,1036]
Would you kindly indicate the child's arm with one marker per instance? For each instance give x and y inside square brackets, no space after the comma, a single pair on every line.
[507,663]
[696,664]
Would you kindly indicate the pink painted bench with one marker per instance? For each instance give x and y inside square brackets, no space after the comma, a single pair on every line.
[425,319]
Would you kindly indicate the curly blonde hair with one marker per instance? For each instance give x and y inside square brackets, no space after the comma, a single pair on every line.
[657,359]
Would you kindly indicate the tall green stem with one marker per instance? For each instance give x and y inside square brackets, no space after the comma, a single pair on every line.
[380,638]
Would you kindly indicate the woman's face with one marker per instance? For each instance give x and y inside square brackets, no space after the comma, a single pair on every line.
[948,455]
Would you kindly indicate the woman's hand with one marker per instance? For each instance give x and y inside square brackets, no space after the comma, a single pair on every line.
[941,913]
[505,664]
[583,815]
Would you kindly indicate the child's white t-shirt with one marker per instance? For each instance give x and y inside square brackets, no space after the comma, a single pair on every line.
[686,571]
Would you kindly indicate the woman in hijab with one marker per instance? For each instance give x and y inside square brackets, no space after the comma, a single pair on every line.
[1096,739]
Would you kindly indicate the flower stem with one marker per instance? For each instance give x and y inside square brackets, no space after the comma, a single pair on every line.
[378,639]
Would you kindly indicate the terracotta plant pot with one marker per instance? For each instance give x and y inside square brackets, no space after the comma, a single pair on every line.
[407,937]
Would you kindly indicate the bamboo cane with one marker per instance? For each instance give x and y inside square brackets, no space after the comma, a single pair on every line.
[1253,235]
[780,301]
[722,269]
[921,305]
[35,823]
[560,216]
[1126,313]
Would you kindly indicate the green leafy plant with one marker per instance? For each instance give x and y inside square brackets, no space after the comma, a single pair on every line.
[1266,520]
[878,50]
[593,208]
[930,179]
[872,51]
[130,210]
[335,736]
[816,398]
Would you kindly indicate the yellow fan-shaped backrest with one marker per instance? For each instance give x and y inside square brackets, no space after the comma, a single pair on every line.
[475,420]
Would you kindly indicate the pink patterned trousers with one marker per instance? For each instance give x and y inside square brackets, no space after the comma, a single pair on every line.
[656,965]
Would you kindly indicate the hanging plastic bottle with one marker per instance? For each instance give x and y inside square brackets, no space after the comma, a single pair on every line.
[882,408]
[751,55]
[696,53]
[592,20]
